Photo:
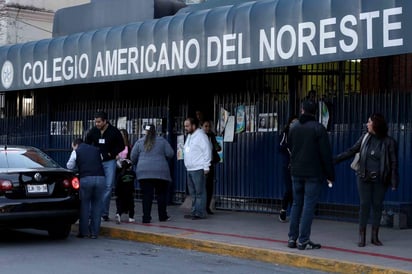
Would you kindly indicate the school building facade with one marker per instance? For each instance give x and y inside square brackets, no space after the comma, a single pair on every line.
[237,63]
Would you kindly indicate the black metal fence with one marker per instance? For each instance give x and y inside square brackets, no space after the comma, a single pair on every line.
[250,177]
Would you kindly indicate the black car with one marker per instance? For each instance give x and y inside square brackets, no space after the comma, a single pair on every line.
[36,192]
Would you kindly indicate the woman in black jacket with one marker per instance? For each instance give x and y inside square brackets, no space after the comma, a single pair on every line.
[378,169]
[210,177]
[287,198]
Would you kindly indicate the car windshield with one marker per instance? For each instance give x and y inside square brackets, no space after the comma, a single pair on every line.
[25,158]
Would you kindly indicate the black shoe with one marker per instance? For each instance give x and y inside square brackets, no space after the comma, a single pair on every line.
[282,216]
[197,218]
[308,245]
[168,218]
[146,221]
[188,216]
[80,236]
[209,211]
[291,243]
[105,218]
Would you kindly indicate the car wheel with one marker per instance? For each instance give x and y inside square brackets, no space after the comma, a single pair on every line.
[60,232]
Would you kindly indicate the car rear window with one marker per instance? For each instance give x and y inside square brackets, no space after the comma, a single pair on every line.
[25,158]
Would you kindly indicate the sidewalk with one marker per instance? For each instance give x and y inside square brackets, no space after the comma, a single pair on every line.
[262,237]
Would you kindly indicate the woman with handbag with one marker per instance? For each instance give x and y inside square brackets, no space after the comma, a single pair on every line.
[378,169]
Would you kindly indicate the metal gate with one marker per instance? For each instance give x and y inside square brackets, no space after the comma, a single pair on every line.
[249,178]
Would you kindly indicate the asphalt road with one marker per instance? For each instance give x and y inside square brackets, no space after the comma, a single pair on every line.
[32,251]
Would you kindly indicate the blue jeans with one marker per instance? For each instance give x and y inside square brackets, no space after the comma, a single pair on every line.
[91,204]
[306,193]
[196,183]
[110,175]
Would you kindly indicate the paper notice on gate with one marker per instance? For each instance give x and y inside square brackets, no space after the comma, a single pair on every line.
[230,129]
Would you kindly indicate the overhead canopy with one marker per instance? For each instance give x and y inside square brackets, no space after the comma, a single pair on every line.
[249,35]
[106,13]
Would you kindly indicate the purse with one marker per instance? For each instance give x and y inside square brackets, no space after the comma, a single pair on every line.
[355,165]
[215,156]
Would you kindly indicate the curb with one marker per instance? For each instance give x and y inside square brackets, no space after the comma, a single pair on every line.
[245,252]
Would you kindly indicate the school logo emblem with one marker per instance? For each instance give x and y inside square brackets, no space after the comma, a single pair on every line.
[7,73]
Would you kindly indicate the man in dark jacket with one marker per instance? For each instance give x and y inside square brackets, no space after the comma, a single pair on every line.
[110,142]
[311,164]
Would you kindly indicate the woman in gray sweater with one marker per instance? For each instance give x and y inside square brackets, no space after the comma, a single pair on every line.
[152,154]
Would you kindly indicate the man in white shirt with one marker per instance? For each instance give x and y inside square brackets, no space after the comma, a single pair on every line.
[197,158]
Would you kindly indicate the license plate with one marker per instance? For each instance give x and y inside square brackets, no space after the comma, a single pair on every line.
[37,188]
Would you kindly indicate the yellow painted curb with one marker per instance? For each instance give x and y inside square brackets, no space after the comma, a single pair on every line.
[263,255]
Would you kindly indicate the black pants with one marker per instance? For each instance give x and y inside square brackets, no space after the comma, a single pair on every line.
[149,187]
[288,194]
[210,182]
[125,199]
[371,196]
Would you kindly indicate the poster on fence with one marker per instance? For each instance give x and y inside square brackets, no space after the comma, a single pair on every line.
[121,122]
[240,119]
[268,122]
[223,117]
[179,147]
[230,129]
[219,140]
[250,118]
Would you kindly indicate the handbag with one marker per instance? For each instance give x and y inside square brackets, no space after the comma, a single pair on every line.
[355,165]
[215,156]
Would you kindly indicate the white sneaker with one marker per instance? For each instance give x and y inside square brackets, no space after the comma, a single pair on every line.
[118,220]
[131,220]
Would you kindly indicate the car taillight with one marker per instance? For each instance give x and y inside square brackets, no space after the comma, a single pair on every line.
[75,183]
[5,185]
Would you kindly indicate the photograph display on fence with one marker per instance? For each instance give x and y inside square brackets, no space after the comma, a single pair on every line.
[268,122]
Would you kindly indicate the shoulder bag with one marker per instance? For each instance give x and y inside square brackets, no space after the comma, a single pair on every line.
[355,165]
